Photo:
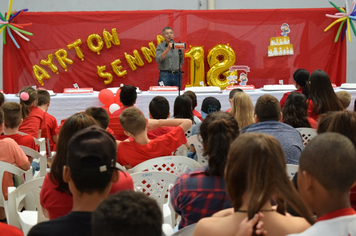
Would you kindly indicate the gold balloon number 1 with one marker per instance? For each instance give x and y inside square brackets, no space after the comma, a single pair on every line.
[220,59]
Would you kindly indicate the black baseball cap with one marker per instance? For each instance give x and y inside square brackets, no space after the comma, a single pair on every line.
[92,142]
[210,105]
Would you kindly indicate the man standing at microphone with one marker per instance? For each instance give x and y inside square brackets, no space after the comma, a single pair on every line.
[169,60]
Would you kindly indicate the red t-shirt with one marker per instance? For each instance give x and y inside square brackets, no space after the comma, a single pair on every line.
[10,230]
[110,131]
[59,204]
[153,134]
[117,113]
[23,140]
[285,96]
[312,123]
[197,114]
[311,114]
[228,110]
[51,126]
[133,153]
[34,122]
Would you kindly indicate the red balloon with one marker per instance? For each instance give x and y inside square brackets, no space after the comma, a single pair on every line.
[118,98]
[106,97]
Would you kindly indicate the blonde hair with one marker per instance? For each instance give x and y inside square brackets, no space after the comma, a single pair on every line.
[133,121]
[242,109]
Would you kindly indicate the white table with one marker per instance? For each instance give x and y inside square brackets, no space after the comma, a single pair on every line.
[64,105]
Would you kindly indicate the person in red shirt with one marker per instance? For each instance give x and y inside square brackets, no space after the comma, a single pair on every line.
[131,153]
[10,230]
[231,96]
[49,133]
[300,78]
[193,96]
[12,121]
[159,109]
[128,96]
[33,117]
[101,116]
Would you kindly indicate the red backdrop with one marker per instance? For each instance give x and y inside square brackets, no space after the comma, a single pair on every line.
[246,31]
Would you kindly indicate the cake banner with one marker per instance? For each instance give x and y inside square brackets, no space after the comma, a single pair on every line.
[106,49]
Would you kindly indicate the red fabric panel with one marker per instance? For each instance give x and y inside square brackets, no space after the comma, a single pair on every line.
[246,31]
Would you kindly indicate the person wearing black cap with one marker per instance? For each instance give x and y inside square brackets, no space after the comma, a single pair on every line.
[209,105]
[89,171]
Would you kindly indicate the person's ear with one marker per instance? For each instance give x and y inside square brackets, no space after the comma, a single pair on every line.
[169,114]
[281,117]
[149,115]
[255,119]
[66,174]
[307,179]
[127,133]
[21,121]
[115,176]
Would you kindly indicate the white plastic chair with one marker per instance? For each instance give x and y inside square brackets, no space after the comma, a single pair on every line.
[307,134]
[40,158]
[203,160]
[181,151]
[27,218]
[156,184]
[171,164]
[22,174]
[291,170]
[186,231]
[41,142]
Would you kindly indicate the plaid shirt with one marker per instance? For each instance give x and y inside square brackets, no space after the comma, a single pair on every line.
[196,195]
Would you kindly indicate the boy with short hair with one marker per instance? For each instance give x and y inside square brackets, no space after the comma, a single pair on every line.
[327,170]
[101,116]
[90,171]
[159,109]
[128,96]
[117,215]
[345,98]
[44,100]
[130,154]
[10,152]
[12,121]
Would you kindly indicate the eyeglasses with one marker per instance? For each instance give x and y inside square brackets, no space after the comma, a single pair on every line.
[169,33]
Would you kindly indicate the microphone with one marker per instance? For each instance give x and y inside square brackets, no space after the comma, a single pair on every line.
[173,44]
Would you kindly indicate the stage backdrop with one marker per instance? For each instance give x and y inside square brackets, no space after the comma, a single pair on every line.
[92,48]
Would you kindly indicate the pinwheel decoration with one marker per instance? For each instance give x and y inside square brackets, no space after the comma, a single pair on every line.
[7,25]
[344,15]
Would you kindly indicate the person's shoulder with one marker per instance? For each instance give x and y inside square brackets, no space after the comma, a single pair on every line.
[214,226]
[7,141]
[10,230]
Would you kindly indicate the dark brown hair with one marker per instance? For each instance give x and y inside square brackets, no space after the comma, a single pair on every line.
[74,123]
[100,115]
[32,93]
[267,108]
[344,122]
[2,99]
[324,121]
[12,113]
[256,166]
[192,96]
[322,93]
[43,97]
[295,110]
[218,131]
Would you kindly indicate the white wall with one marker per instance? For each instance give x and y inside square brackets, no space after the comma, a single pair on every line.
[117,5]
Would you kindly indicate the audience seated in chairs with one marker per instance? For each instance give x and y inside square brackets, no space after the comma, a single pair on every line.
[242,109]
[267,120]
[10,152]
[131,153]
[127,213]
[89,171]
[159,109]
[193,96]
[201,193]
[101,116]
[255,173]
[55,195]
[128,96]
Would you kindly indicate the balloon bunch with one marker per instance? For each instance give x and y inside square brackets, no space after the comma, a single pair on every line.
[110,101]
[344,15]
[6,25]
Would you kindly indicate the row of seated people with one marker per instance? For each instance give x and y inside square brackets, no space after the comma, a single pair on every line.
[138,133]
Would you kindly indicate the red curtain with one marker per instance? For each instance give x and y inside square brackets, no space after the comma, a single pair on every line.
[246,31]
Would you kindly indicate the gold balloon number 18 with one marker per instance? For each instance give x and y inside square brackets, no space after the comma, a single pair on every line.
[220,59]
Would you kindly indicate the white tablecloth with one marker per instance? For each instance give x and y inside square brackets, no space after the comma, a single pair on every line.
[64,105]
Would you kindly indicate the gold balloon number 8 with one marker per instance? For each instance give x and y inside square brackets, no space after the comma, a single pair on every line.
[220,59]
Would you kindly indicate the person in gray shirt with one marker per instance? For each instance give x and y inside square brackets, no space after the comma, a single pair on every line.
[268,118]
[169,60]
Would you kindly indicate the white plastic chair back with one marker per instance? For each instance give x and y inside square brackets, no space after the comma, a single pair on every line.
[27,218]
[41,158]
[291,170]
[22,174]
[307,134]
[181,151]
[156,184]
[41,142]
[171,164]
[203,160]
[186,231]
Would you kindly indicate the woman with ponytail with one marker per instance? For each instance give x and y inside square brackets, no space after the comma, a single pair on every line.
[33,117]
[201,193]
[256,174]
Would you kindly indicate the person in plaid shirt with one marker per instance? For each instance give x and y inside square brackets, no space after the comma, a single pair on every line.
[202,192]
